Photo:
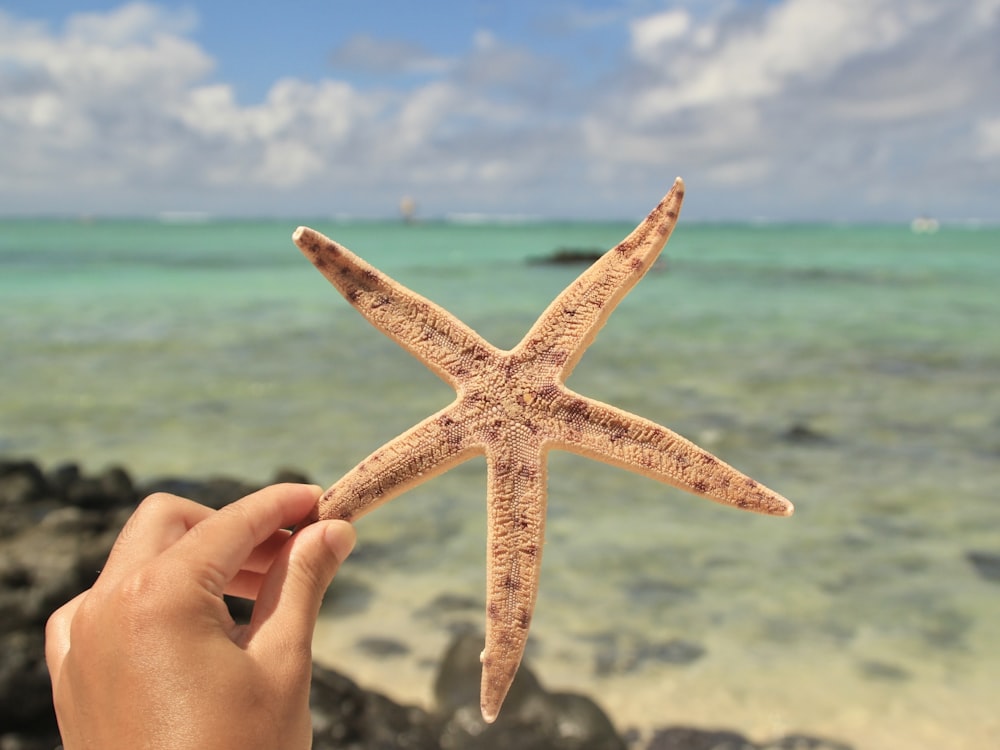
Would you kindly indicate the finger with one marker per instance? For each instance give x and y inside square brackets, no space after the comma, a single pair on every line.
[159,526]
[57,635]
[297,581]
[216,549]
[262,556]
[159,521]
[245,584]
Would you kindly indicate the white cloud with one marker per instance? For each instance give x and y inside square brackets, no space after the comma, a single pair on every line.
[369,54]
[988,138]
[795,41]
[123,56]
[129,104]
[422,114]
[877,100]
[651,34]
[72,106]
[136,21]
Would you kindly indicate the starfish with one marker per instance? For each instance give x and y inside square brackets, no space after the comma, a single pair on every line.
[513,407]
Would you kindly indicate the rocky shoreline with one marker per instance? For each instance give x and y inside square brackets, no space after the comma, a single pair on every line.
[56,529]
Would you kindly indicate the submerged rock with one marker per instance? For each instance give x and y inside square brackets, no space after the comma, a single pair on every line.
[986,564]
[381,648]
[804,434]
[621,653]
[581,256]
[880,670]
[569,256]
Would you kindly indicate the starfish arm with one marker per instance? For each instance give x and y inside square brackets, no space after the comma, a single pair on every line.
[422,452]
[437,338]
[516,529]
[614,436]
[568,326]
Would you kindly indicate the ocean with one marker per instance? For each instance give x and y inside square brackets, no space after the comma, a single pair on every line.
[854,369]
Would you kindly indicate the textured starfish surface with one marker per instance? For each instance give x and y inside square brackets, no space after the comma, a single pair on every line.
[513,407]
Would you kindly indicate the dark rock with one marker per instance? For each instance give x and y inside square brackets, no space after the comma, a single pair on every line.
[345,716]
[290,476]
[382,647]
[531,717]
[86,492]
[112,489]
[577,256]
[672,651]
[945,628]
[986,564]
[880,670]
[20,483]
[670,592]
[214,492]
[48,563]
[455,614]
[64,475]
[458,680]
[565,256]
[118,486]
[582,721]
[16,576]
[804,742]
[50,551]
[350,596]
[803,434]
[450,603]
[28,741]
[25,700]
[372,552]
[623,654]
[689,738]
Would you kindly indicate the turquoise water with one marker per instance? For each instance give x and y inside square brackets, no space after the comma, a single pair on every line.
[852,369]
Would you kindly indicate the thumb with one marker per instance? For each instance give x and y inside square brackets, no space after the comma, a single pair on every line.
[292,590]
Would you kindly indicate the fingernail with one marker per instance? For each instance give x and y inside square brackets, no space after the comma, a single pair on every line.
[340,537]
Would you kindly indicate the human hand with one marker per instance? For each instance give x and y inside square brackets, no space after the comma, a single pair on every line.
[150,657]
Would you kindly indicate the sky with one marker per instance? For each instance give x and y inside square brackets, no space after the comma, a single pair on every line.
[780,110]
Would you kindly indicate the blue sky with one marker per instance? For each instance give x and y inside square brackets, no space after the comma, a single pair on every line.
[857,110]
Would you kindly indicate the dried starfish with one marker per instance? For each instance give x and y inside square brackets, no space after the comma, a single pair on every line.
[513,407]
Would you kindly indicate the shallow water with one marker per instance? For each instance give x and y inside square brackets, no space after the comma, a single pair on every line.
[854,370]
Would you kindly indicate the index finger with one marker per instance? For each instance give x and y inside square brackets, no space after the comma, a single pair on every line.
[221,544]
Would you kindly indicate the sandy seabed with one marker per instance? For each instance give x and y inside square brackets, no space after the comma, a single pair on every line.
[807,691]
